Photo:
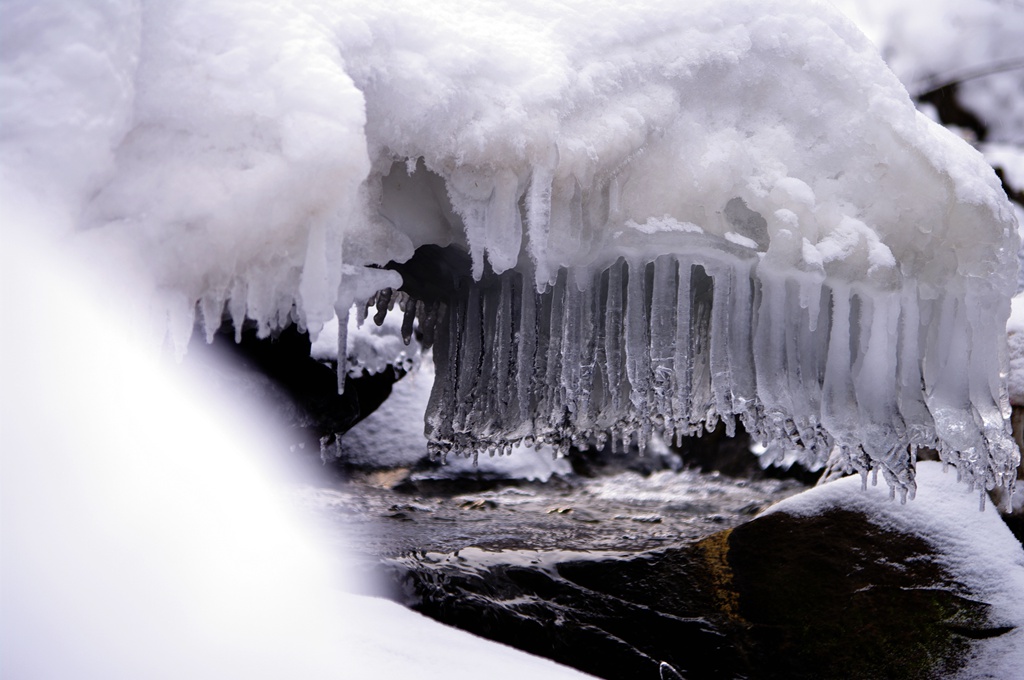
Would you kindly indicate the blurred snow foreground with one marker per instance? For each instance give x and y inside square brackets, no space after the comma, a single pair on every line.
[144,537]
[677,213]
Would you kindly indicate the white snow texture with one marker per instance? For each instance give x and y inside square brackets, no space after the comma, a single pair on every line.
[146,532]
[829,266]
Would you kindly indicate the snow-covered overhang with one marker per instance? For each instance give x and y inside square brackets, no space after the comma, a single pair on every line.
[724,209]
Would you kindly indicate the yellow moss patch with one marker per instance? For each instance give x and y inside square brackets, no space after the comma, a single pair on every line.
[715,553]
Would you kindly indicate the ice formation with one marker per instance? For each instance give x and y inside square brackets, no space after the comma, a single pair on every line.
[675,212]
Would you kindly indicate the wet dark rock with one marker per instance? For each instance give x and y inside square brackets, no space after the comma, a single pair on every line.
[835,596]
[581,610]
[278,372]
[830,596]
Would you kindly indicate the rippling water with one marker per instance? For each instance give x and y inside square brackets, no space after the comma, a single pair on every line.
[625,511]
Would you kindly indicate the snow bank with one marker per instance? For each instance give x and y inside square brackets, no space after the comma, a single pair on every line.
[394,642]
[261,158]
[146,532]
[976,548]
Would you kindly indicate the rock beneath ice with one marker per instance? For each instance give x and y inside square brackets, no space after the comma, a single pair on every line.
[975,550]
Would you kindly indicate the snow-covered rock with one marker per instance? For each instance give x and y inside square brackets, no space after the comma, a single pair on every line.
[975,550]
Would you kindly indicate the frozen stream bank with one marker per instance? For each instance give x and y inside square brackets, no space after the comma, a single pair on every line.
[631,577]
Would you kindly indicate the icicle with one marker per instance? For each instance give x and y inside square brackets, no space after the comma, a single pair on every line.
[662,334]
[503,226]
[638,352]
[806,352]
[920,426]
[484,416]
[874,384]
[720,343]
[839,407]
[468,385]
[770,359]
[236,308]
[613,340]
[383,305]
[503,367]
[701,399]
[538,215]
[343,312]
[552,407]
[408,319]
[682,361]
[212,308]
[442,404]
[589,375]
[741,356]
[363,310]
[429,315]
[572,337]
[526,339]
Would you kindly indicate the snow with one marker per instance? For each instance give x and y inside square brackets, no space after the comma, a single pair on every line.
[146,530]
[264,159]
[945,515]
[393,642]
[371,348]
[930,44]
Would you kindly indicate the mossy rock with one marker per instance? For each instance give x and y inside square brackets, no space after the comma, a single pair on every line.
[834,596]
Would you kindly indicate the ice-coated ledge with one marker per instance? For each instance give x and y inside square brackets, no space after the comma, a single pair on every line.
[674,344]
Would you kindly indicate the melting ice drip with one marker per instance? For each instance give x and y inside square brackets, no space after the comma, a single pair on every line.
[679,343]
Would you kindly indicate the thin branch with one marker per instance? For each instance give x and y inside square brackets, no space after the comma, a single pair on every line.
[935,83]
